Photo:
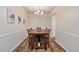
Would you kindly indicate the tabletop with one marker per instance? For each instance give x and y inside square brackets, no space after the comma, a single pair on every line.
[42,31]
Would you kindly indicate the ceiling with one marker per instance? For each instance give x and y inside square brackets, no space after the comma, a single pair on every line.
[45,9]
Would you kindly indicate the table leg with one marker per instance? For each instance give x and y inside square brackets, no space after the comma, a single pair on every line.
[48,40]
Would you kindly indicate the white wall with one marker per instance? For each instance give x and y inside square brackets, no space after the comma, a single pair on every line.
[12,34]
[67,27]
[39,21]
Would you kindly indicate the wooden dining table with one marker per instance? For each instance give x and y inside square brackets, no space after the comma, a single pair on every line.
[39,33]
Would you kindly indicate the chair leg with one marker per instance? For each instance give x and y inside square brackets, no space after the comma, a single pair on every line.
[32,42]
[45,46]
[31,47]
[48,43]
[29,43]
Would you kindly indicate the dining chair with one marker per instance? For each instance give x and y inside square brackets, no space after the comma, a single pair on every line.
[30,37]
[38,28]
[43,44]
[46,36]
[46,29]
[34,42]
[31,29]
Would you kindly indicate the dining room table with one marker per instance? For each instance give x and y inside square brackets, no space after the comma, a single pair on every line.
[39,33]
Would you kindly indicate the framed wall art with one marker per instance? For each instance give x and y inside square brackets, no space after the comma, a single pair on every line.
[10,16]
[19,20]
[24,21]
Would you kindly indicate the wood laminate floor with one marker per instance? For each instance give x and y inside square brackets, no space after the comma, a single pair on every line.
[53,47]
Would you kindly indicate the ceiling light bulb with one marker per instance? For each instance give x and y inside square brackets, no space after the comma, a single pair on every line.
[41,13]
[35,12]
[38,11]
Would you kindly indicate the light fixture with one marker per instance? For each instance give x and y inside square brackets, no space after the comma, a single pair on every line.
[35,12]
[42,13]
[39,12]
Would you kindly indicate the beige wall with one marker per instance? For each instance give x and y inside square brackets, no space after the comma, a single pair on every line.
[12,34]
[67,27]
[39,21]
[6,27]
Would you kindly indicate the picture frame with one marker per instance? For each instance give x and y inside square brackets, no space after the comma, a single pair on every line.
[10,16]
[19,20]
[24,21]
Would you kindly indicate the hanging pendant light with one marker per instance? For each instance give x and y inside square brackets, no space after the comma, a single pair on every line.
[39,12]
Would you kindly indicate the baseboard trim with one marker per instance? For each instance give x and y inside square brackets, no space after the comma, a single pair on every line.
[66,50]
[18,44]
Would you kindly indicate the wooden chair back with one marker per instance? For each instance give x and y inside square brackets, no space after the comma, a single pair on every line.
[38,28]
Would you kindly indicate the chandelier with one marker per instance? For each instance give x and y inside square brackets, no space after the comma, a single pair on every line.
[39,12]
